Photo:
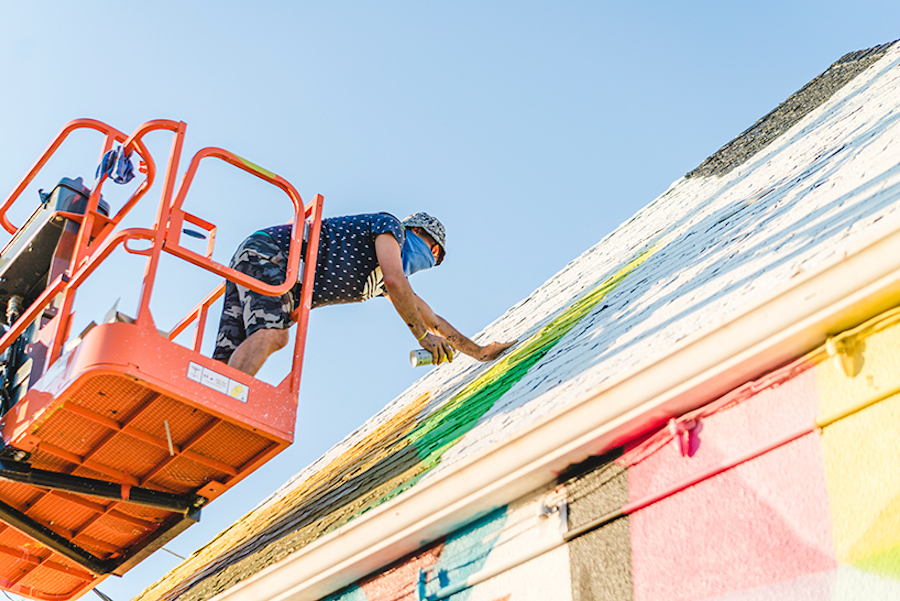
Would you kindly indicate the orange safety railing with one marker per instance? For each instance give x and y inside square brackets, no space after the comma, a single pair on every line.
[94,243]
[131,143]
[313,212]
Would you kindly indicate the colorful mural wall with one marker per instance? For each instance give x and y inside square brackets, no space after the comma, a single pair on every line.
[494,540]
[794,493]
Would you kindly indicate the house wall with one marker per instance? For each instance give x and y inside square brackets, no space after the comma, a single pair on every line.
[795,495]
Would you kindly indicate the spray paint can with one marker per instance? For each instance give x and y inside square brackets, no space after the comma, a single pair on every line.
[420,357]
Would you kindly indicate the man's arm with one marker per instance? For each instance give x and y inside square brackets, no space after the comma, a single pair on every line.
[387,250]
[438,324]
[419,317]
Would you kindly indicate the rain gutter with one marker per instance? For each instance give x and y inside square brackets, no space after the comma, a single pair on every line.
[697,371]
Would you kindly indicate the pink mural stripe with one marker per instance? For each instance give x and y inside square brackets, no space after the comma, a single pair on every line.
[747,508]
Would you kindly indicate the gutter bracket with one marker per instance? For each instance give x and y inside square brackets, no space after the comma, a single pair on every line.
[847,354]
[555,503]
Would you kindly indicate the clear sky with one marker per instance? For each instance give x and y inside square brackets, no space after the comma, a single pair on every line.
[531,129]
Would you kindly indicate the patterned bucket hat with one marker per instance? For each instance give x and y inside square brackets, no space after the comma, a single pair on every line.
[431,225]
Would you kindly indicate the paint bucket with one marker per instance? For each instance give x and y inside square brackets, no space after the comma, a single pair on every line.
[420,357]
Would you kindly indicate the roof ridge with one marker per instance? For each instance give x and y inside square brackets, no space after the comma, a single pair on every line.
[785,115]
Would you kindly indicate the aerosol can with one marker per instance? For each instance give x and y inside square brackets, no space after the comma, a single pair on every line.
[420,357]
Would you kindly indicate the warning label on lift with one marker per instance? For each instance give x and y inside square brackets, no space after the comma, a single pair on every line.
[216,381]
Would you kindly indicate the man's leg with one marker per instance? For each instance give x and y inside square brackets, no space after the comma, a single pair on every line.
[231,325]
[254,326]
[253,352]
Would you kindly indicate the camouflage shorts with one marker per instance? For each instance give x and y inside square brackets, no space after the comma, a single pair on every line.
[245,311]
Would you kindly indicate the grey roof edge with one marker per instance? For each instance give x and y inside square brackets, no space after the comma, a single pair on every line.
[785,115]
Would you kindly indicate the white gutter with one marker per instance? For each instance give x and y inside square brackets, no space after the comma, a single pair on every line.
[785,327]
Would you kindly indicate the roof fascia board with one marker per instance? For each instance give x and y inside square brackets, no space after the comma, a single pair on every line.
[699,370]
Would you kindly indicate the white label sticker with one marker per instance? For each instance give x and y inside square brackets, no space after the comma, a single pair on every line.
[214,380]
[195,372]
[218,382]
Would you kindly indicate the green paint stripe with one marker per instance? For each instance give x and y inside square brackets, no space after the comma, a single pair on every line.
[444,427]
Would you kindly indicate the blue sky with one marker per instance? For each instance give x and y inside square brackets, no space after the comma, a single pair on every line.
[531,129]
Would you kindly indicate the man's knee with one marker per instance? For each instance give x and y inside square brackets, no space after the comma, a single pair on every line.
[273,339]
[281,338]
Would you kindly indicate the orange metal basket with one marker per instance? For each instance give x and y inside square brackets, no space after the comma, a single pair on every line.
[116,443]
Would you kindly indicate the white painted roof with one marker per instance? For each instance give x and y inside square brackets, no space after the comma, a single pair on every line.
[818,193]
[712,250]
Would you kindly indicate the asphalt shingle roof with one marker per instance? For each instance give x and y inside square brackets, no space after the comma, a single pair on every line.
[814,181]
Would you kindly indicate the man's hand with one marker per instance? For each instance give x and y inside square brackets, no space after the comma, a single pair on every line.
[419,316]
[493,350]
[440,348]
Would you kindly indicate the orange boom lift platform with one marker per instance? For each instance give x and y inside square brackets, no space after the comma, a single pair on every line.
[113,441]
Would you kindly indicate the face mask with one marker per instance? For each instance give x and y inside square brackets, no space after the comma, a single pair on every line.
[416,254]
